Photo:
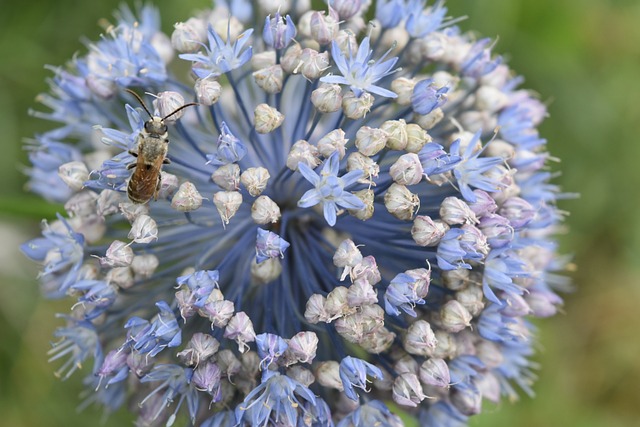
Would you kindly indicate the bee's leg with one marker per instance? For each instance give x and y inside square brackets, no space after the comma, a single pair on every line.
[166,161]
[133,153]
[155,193]
[131,165]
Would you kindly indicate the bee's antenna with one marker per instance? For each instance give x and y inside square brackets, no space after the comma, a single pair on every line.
[141,101]
[180,108]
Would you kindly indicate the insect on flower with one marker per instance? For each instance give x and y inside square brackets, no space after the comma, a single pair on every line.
[152,145]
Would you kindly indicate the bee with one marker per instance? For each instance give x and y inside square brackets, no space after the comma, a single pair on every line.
[152,145]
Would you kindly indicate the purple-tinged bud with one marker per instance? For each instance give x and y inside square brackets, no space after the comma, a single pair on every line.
[227,203]
[302,348]
[184,299]
[454,317]
[187,198]
[131,211]
[333,141]
[378,341]
[227,177]
[323,28]
[396,130]
[367,270]
[406,365]
[207,377]
[435,372]
[467,400]
[278,31]
[168,102]
[140,364]
[265,211]
[346,8]
[427,232]
[407,170]
[357,107]
[407,390]
[471,298]
[400,202]
[347,254]
[484,204]
[336,304]
[82,204]
[270,79]
[489,387]
[518,211]
[356,326]
[240,329]
[168,185]
[74,174]
[328,375]
[419,339]
[200,348]
[489,353]
[454,211]
[143,230]
[114,367]
[187,37]
[497,229]
[360,293]
[119,254]
[228,363]
[543,303]
[474,241]
[255,180]
[218,312]
[302,375]
[327,98]
[108,202]
[315,311]
[267,118]
[302,151]
[208,91]
[269,245]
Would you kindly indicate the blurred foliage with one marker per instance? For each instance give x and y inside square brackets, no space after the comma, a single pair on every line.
[581,56]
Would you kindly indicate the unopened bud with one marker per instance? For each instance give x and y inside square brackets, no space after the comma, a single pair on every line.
[208,91]
[291,58]
[333,141]
[269,79]
[327,98]
[367,196]
[315,311]
[266,271]
[119,254]
[187,198]
[454,317]
[357,107]
[407,170]
[227,177]
[323,28]
[347,254]
[435,372]
[188,36]
[368,166]
[144,265]
[263,60]
[400,202]
[168,102]
[407,390]
[428,121]
[328,375]
[313,64]
[455,211]
[416,138]
[168,185]
[255,180]
[346,8]
[403,87]
[227,203]
[265,211]
[397,131]
[302,151]
[427,232]
[370,141]
[143,230]
[74,174]
[419,339]
[471,298]
[267,118]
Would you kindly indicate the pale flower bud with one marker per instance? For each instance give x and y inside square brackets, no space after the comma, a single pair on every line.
[367,270]
[144,265]
[328,375]
[119,254]
[357,107]
[315,311]
[108,202]
[218,312]
[291,58]
[428,121]
[267,118]
[227,203]
[368,166]
[435,372]
[131,211]
[471,298]
[456,279]
[255,180]
[400,202]
[269,79]
[427,232]
[227,177]
[263,60]
[347,254]
[225,25]
[370,141]
[419,339]
[378,341]
[168,102]
[187,198]
[327,98]
[240,329]
[454,317]
[416,138]
[490,99]
[188,36]
[121,277]
[397,130]
[200,348]
[313,64]
[447,346]
[323,28]
[265,211]
[407,390]
[333,141]
[346,41]
[336,305]
[455,211]
[467,400]
[367,196]
[361,293]
[74,174]
[403,87]
[266,271]
[208,91]
[143,230]
[302,151]
[168,185]
[303,347]
[407,169]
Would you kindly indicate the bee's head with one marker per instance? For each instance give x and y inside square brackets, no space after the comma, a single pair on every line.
[155,126]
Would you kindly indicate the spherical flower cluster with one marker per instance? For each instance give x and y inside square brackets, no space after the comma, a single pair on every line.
[353,213]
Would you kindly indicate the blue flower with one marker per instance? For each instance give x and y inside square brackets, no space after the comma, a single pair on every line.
[315,283]
[359,71]
[221,56]
[329,188]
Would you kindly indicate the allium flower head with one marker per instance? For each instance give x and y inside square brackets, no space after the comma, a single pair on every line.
[339,223]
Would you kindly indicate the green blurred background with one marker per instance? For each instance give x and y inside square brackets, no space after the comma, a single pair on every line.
[582,56]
